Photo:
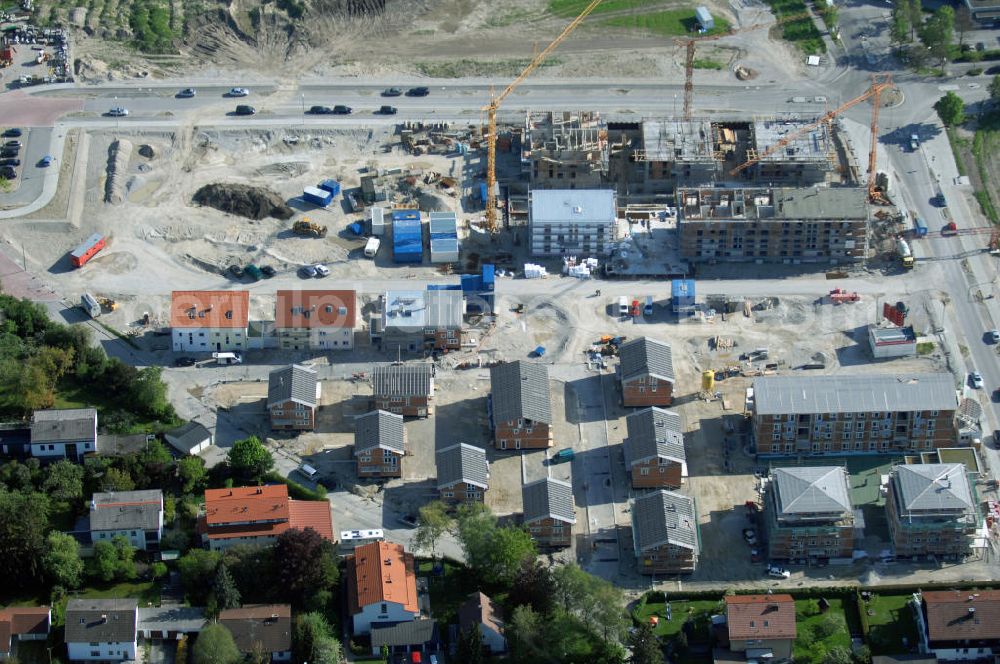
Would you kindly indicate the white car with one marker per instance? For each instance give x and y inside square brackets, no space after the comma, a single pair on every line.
[238,92]
[321,270]
[118,112]
[776,572]
[976,379]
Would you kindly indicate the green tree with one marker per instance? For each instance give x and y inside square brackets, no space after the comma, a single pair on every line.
[105,561]
[434,522]
[197,568]
[158,570]
[314,642]
[995,89]
[951,109]
[915,11]
[126,557]
[215,645]
[62,560]
[470,646]
[963,23]
[117,480]
[599,604]
[837,655]
[475,525]
[510,547]
[308,568]
[149,394]
[192,473]
[525,634]
[249,459]
[827,627]
[24,518]
[644,646]
[938,32]
[64,481]
[227,595]
[533,586]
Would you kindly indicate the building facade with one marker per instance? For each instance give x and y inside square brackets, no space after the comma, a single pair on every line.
[665,533]
[68,433]
[379,444]
[808,514]
[404,389]
[549,512]
[932,510]
[209,321]
[419,321]
[654,449]
[853,414]
[315,319]
[463,474]
[519,405]
[293,395]
[102,630]
[135,515]
[646,373]
[571,222]
[381,586]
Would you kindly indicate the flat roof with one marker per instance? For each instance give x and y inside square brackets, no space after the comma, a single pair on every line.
[677,140]
[813,146]
[583,206]
[821,203]
[854,393]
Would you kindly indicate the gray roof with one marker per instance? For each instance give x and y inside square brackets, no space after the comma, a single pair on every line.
[652,433]
[854,393]
[462,463]
[444,309]
[67,424]
[520,390]
[126,510]
[414,632]
[580,206]
[548,497]
[933,487]
[664,517]
[821,203]
[292,383]
[646,356]
[185,619]
[812,490]
[187,436]
[101,620]
[381,429]
[401,380]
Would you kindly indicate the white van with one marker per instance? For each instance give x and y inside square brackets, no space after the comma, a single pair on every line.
[623,308]
[227,358]
[371,247]
[308,470]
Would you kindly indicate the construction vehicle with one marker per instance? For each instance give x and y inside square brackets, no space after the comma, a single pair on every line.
[839,296]
[494,105]
[905,255]
[874,92]
[306,228]
[107,304]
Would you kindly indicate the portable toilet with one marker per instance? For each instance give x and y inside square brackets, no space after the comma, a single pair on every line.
[704,18]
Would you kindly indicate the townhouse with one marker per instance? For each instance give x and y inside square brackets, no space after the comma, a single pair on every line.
[654,449]
[549,512]
[519,406]
[646,373]
[315,319]
[102,630]
[960,625]
[463,474]
[209,321]
[379,444]
[258,515]
[261,629]
[404,389]
[761,626]
[665,533]
[293,395]
[932,509]
[68,433]
[381,586]
[135,515]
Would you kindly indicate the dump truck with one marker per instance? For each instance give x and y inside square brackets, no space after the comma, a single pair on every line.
[905,255]
[307,228]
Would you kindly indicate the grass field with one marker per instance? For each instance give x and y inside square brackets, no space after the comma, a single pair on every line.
[820,630]
[673,22]
[572,8]
[986,149]
[890,621]
[680,611]
[803,31]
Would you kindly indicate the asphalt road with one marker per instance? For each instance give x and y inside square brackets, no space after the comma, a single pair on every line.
[30,176]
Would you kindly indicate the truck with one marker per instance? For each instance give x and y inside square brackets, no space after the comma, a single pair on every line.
[919,227]
[225,358]
[90,304]
[371,247]
[905,255]
[307,228]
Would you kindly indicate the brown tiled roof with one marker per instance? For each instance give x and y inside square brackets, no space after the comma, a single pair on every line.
[27,619]
[950,618]
[267,624]
[313,514]
[215,309]
[315,308]
[479,609]
[760,617]
[381,572]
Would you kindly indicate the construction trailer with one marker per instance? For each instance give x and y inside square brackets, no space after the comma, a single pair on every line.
[93,244]
[407,236]
[682,296]
[704,18]
[443,227]
[317,196]
[377,221]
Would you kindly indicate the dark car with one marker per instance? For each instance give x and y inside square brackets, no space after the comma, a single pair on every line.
[307,271]
[7,173]
[386,110]
[10,162]
[243,109]
[340,109]
[418,92]
[236,271]
[185,362]
[268,271]
[992,71]
[9,153]
[13,144]
[938,201]
[187,93]
[320,110]
[392,92]
[12,132]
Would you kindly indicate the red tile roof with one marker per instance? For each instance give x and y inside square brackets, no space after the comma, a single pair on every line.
[262,511]
[210,309]
[949,617]
[315,308]
[381,572]
[760,617]
[313,514]
[23,620]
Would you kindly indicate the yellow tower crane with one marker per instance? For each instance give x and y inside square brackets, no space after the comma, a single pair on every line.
[491,112]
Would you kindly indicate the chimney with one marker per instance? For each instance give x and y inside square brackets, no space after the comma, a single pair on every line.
[104,618]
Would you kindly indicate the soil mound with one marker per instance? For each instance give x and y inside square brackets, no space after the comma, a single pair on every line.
[243,200]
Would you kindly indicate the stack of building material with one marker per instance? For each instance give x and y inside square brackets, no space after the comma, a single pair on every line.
[532,271]
[444,237]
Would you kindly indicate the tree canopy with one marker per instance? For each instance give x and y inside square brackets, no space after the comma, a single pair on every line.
[215,645]
[951,109]
[249,459]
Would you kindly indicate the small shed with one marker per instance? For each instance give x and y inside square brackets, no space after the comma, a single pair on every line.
[191,438]
[704,18]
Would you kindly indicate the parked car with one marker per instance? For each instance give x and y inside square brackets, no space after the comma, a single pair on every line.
[418,92]
[386,110]
[253,272]
[755,556]
[13,144]
[410,520]
[238,92]
[776,572]
[13,132]
[10,162]
[185,362]
[187,93]
[976,380]
[236,271]
[118,112]
[321,270]
[243,109]
[392,92]
[340,109]
[307,271]
[993,336]
[267,271]
[319,110]
[9,153]
[750,535]
[8,173]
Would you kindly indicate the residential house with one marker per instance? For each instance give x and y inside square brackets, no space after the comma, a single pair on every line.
[68,433]
[261,628]
[258,515]
[985,12]
[381,586]
[415,321]
[379,444]
[170,621]
[315,319]
[960,625]
[762,626]
[853,414]
[135,515]
[293,394]
[646,373]
[192,438]
[209,321]
[665,533]
[932,510]
[102,629]
[549,511]
[15,439]
[405,389]
[22,623]
[480,610]
[808,514]
[570,222]
[654,449]
[463,474]
[519,406]
[417,636]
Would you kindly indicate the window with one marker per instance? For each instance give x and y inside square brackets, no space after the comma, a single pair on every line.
[385,608]
[95,653]
[644,471]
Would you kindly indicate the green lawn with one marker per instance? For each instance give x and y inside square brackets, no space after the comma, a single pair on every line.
[672,22]
[802,32]
[70,394]
[572,8]
[680,611]
[449,590]
[820,630]
[890,620]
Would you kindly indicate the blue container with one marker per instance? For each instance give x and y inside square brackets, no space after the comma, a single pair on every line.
[483,193]
[317,196]
[489,277]
[682,295]
[405,215]
[444,287]
[331,186]
[356,228]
